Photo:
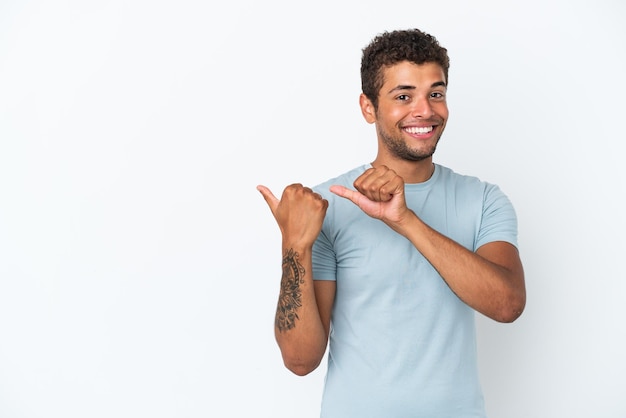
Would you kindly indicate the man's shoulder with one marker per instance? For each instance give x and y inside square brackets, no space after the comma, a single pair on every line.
[464,180]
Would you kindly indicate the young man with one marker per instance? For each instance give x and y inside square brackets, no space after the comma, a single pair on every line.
[391,259]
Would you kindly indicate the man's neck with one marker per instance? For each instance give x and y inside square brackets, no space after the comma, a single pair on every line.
[410,171]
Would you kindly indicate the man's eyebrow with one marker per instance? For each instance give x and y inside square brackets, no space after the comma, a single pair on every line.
[409,87]
[401,87]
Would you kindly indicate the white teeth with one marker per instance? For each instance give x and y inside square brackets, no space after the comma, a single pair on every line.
[416,130]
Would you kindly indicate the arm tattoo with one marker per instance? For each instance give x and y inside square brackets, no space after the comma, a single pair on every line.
[290,298]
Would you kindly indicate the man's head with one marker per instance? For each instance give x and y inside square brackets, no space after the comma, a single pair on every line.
[390,48]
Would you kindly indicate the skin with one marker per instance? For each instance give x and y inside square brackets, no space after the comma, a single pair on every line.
[410,119]
[299,214]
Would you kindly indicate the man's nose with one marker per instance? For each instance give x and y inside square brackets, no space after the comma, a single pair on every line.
[422,109]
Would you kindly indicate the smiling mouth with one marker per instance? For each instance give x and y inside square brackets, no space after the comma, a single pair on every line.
[421,130]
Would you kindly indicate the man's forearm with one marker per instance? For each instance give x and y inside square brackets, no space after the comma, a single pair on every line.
[298,327]
[491,281]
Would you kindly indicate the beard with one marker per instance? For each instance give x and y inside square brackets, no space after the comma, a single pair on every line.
[398,147]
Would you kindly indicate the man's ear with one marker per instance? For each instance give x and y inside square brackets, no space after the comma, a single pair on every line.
[367,108]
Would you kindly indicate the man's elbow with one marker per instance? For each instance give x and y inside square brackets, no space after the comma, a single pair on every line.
[512,308]
[301,357]
[299,366]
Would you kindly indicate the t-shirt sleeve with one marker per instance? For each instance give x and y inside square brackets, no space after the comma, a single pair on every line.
[323,258]
[499,220]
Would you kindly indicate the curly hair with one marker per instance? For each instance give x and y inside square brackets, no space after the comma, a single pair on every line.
[389,48]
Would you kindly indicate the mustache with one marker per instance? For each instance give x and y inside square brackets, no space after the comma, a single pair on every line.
[434,120]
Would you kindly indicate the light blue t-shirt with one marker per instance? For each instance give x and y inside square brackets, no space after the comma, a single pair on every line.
[402,344]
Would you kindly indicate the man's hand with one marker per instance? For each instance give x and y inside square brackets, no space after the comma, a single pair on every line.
[299,213]
[379,193]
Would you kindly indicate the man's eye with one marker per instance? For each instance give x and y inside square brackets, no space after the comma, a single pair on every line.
[403,97]
[437,95]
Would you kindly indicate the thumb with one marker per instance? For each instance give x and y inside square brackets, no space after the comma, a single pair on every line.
[269,197]
[345,192]
[355,197]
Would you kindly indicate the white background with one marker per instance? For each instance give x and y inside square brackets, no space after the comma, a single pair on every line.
[139,267]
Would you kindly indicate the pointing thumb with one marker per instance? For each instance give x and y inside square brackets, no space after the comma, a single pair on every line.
[269,197]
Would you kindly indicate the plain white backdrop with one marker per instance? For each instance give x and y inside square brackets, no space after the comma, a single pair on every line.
[139,267]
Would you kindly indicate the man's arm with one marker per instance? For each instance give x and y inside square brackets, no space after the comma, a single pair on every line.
[491,280]
[302,321]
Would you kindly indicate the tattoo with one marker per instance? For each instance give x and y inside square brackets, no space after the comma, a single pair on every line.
[290,298]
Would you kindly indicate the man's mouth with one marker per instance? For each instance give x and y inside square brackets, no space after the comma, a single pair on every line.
[418,130]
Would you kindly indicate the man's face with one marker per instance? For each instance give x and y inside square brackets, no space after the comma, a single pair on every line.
[412,110]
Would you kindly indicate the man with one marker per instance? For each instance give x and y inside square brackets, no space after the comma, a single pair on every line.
[391,259]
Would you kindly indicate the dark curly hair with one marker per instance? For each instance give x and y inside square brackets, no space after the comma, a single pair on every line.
[389,48]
